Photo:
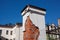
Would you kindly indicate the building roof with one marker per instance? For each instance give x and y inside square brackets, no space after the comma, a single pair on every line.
[7,26]
[33,7]
[10,26]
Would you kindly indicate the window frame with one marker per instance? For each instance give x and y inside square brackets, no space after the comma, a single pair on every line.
[7,32]
[11,32]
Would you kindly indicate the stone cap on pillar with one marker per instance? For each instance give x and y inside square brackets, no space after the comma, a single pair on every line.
[35,9]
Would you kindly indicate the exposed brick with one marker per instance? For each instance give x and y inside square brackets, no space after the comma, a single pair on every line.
[31,31]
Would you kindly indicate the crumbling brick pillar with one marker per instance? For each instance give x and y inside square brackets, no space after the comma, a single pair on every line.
[31,31]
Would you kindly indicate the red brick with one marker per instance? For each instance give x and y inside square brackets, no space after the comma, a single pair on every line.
[31,31]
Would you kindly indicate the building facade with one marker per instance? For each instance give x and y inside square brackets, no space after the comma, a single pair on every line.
[8,32]
[53,31]
[37,19]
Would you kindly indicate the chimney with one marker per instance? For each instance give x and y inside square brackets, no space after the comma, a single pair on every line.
[59,22]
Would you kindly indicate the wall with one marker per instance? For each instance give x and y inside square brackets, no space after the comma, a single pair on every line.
[39,21]
[4,33]
[21,33]
[15,34]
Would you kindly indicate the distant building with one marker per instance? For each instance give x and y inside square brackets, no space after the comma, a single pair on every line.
[53,31]
[59,22]
[8,32]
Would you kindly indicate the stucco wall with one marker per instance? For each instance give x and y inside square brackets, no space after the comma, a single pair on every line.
[39,21]
[21,33]
[4,33]
[24,19]
[15,33]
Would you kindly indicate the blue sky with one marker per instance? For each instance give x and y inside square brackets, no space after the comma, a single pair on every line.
[10,10]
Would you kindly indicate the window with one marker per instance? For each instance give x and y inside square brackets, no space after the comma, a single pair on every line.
[0,39]
[10,39]
[14,39]
[6,39]
[7,32]
[0,32]
[11,32]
